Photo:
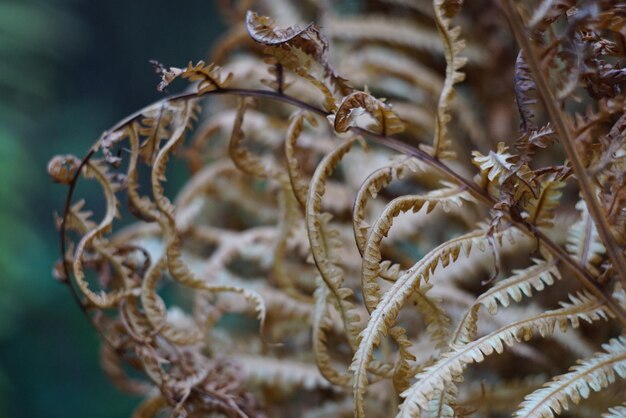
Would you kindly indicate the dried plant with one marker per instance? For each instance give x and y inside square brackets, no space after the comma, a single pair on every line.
[334,253]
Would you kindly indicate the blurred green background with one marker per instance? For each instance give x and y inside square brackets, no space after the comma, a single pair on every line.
[69,69]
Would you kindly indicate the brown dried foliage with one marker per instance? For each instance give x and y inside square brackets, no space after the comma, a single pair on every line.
[331,250]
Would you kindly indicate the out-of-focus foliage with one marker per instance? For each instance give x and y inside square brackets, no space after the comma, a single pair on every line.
[367,220]
[30,54]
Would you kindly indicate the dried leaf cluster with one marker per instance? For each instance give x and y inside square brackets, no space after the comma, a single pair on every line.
[336,253]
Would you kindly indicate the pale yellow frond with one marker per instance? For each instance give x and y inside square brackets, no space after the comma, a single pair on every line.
[593,374]
[449,368]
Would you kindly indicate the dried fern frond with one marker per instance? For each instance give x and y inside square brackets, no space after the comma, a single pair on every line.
[296,274]
[593,374]
[452,46]
[391,302]
[210,76]
[451,365]
[536,277]
[615,412]
[359,108]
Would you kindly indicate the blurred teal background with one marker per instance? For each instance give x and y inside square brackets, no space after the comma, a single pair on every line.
[69,69]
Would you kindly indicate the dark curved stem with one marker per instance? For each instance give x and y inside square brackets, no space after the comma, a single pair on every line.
[63,227]
[583,275]
[581,272]
[63,233]
[561,126]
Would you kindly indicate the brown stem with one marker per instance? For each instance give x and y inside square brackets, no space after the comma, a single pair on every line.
[481,195]
[581,272]
[559,122]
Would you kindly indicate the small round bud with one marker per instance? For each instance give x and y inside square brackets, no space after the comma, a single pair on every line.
[62,168]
